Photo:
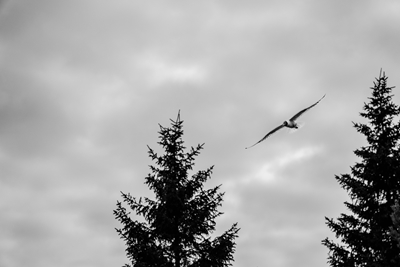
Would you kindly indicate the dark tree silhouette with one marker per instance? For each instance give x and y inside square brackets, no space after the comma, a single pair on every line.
[178,224]
[373,187]
[395,229]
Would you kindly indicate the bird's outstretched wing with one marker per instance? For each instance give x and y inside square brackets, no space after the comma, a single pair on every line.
[304,110]
[268,134]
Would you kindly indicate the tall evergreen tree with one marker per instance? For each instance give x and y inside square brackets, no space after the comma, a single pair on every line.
[178,224]
[373,187]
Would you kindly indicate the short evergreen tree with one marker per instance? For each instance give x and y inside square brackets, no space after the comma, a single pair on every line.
[373,187]
[178,224]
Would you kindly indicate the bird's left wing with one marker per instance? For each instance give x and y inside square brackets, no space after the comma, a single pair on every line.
[268,134]
[304,110]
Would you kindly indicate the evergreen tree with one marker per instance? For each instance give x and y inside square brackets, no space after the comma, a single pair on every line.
[373,187]
[178,224]
[395,229]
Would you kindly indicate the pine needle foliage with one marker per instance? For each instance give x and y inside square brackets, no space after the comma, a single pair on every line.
[373,187]
[177,225]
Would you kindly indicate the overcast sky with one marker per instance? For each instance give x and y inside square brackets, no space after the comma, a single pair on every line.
[84,84]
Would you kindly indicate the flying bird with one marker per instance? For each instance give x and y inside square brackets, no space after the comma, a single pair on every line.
[291,123]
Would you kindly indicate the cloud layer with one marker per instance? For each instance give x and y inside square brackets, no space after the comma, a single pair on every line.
[84,84]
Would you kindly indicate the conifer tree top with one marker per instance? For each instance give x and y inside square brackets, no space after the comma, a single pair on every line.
[373,186]
[178,223]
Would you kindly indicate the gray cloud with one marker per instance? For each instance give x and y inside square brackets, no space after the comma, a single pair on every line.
[84,84]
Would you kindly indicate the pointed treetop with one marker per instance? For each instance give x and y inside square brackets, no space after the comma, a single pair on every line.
[178,118]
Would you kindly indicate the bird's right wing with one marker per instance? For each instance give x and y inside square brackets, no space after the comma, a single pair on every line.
[304,110]
[268,134]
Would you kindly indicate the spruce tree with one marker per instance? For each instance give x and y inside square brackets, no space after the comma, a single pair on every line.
[177,225]
[373,187]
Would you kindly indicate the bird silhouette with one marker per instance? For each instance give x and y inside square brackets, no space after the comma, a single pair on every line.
[291,123]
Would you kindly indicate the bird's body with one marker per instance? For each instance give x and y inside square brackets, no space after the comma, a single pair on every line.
[290,123]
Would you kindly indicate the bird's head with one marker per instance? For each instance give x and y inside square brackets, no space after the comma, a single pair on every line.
[285,123]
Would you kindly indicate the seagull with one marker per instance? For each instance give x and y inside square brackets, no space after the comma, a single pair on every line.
[290,123]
